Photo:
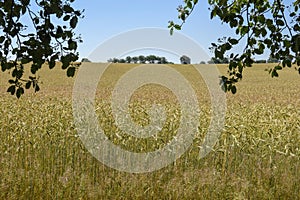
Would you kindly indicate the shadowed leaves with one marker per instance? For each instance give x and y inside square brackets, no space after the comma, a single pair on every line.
[272,25]
[47,38]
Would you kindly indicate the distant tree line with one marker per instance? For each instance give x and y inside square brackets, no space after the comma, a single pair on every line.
[141,59]
[214,60]
[270,60]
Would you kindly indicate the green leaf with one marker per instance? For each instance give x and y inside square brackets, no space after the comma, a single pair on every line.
[228,46]
[233,23]
[233,41]
[72,45]
[36,20]
[171,24]
[177,27]
[280,22]
[289,63]
[20,92]
[25,2]
[213,13]
[65,61]
[52,64]
[293,14]
[25,60]
[71,71]
[12,89]
[73,22]
[233,89]
[278,67]
[2,38]
[183,17]
[59,31]
[244,30]
[28,84]
[274,73]
[36,88]
[68,9]
[218,54]
[66,18]
[264,32]
[261,19]
[189,5]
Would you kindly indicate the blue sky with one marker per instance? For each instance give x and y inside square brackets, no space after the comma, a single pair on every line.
[105,19]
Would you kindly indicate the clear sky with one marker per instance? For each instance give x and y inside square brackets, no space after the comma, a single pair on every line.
[105,19]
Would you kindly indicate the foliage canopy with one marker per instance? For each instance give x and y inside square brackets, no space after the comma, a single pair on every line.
[265,25]
[47,37]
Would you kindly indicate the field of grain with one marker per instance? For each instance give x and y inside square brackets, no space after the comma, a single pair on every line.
[257,155]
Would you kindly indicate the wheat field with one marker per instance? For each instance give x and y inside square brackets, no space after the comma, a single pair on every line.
[257,155]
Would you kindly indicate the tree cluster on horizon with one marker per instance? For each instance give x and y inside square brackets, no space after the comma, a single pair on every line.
[214,60]
[226,60]
[152,59]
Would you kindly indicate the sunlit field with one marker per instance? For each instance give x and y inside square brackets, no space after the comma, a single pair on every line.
[257,155]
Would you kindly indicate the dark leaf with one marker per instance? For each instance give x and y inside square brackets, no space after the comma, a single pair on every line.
[28,84]
[274,73]
[36,88]
[233,41]
[68,9]
[52,64]
[65,61]
[12,89]
[73,22]
[36,20]
[2,38]
[278,68]
[218,54]
[12,81]
[20,92]
[177,27]
[189,5]
[66,18]
[280,22]
[71,71]
[233,89]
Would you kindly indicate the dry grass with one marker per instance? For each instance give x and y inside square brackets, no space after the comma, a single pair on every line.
[257,156]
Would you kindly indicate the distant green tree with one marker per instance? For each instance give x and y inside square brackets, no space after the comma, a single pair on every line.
[202,62]
[185,60]
[86,60]
[142,59]
[122,60]
[263,24]
[128,59]
[115,60]
[214,60]
[135,59]
[261,61]
[151,58]
[48,37]
[272,60]
[163,60]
